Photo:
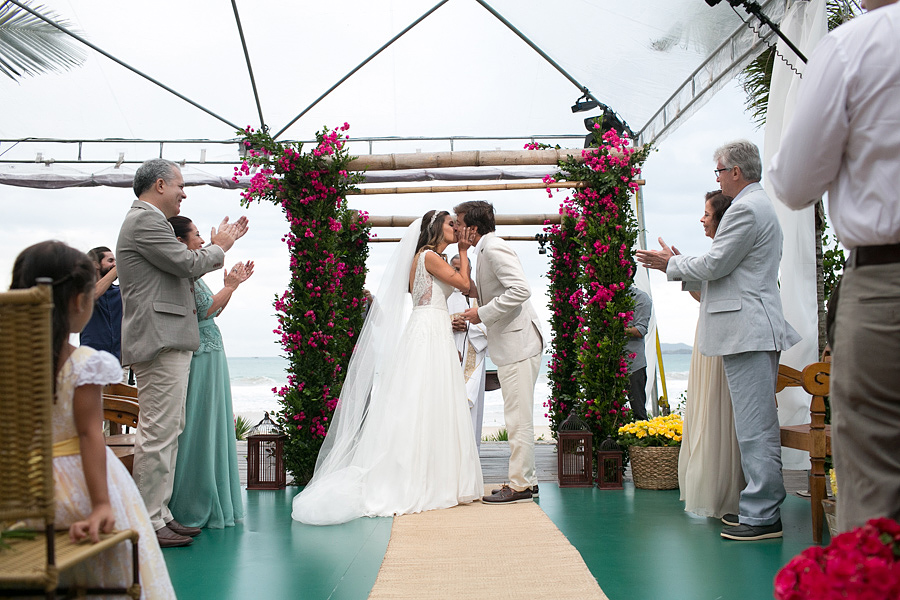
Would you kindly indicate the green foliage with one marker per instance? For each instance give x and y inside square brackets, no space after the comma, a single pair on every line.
[320,314]
[591,272]
[833,260]
[241,427]
[502,435]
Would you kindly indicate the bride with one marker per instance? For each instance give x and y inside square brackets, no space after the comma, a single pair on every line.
[401,438]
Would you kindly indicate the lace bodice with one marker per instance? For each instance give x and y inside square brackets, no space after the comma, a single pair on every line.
[210,336]
[428,291]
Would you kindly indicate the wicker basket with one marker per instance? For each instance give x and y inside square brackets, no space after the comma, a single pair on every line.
[829,505]
[655,468]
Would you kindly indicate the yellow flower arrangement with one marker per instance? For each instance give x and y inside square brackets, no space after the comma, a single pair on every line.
[659,431]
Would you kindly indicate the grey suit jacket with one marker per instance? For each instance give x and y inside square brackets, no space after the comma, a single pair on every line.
[513,328]
[740,306]
[156,274]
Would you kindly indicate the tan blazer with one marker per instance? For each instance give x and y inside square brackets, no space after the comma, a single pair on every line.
[513,328]
[156,274]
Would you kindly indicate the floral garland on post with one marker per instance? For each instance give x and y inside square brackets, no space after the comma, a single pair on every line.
[596,306]
[320,313]
[565,304]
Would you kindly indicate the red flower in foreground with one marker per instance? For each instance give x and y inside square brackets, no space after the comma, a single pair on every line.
[860,564]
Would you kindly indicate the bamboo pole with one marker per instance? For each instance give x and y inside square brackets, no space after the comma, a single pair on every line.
[489,187]
[536,219]
[466,158]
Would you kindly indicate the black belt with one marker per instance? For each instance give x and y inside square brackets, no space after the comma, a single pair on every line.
[876,255]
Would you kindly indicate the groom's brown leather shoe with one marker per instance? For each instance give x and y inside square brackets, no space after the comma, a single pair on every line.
[169,539]
[507,495]
[534,491]
[183,530]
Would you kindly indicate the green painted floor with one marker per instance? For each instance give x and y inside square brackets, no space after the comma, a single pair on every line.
[637,543]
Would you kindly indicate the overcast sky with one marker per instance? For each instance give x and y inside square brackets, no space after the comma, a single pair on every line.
[379,101]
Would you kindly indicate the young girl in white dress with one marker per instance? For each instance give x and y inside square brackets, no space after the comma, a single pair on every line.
[401,438]
[94,492]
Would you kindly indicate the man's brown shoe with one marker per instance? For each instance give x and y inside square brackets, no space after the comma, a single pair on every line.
[534,491]
[183,529]
[169,539]
[507,495]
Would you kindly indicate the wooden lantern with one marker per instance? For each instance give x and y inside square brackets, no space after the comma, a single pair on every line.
[575,454]
[265,456]
[609,465]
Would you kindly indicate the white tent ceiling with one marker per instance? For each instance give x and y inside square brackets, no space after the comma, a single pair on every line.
[459,72]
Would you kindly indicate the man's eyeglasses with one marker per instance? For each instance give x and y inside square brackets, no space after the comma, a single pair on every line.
[717,171]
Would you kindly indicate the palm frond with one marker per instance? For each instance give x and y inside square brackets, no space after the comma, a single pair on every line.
[30,46]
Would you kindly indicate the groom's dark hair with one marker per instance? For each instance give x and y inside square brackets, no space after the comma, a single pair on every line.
[478,214]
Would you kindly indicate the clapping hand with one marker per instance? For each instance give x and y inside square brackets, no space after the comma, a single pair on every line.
[657,259]
[239,273]
[228,233]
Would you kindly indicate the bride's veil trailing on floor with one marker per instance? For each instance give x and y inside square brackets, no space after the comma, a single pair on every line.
[333,495]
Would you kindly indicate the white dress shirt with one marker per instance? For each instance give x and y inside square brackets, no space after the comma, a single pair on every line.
[845,134]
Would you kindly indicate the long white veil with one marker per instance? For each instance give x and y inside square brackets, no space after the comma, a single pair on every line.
[377,344]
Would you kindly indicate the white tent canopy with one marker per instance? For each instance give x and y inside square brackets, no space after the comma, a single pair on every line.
[507,67]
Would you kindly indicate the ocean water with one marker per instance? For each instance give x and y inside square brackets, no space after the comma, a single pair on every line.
[253,381]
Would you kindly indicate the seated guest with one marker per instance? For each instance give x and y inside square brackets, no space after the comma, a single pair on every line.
[94,492]
[207,489]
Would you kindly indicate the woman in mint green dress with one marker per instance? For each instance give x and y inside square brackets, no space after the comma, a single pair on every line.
[207,491]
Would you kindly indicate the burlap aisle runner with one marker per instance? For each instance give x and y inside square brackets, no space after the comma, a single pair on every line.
[478,551]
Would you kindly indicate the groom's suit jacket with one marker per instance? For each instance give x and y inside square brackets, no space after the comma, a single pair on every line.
[740,308]
[513,328]
[156,273]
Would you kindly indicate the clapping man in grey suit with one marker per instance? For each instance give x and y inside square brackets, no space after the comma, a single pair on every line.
[741,320]
[515,343]
[159,328]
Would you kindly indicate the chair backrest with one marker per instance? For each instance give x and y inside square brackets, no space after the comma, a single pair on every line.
[121,410]
[121,389]
[26,399]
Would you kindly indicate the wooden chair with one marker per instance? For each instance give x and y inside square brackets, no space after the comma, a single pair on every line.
[815,436]
[121,410]
[31,567]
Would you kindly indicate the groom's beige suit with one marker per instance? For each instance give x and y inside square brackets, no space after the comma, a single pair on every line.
[515,345]
[159,335]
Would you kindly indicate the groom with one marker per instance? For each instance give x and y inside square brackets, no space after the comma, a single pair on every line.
[515,343]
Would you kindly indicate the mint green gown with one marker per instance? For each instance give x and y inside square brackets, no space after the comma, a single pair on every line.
[207,491]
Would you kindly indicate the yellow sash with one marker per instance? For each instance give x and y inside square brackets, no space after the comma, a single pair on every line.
[66,447]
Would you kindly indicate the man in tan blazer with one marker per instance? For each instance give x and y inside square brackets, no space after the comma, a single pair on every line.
[515,343]
[159,328]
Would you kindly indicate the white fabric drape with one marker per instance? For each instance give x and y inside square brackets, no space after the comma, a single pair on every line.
[805,24]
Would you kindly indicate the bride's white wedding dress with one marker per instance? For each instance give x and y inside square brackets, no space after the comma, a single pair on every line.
[414,449]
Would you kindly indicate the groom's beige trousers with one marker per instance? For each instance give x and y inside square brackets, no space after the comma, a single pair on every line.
[162,388]
[517,384]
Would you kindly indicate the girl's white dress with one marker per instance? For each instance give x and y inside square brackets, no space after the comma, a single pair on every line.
[709,465]
[416,449]
[111,568]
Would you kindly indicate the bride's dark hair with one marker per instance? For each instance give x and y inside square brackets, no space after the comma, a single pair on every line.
[432,230]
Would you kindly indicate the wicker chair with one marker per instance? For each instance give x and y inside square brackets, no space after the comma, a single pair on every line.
[815,436]
[31,567]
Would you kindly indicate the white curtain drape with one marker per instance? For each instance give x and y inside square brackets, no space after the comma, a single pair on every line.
[805,24]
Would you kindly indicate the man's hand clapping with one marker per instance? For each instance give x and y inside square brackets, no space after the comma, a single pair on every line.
[657,259]
[228,233]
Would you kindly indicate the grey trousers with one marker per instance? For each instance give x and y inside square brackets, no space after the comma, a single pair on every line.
[751,381]
[865,395]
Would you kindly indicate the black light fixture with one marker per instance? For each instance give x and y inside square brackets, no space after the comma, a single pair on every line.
[755,9]
[542,239]
[584,103]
